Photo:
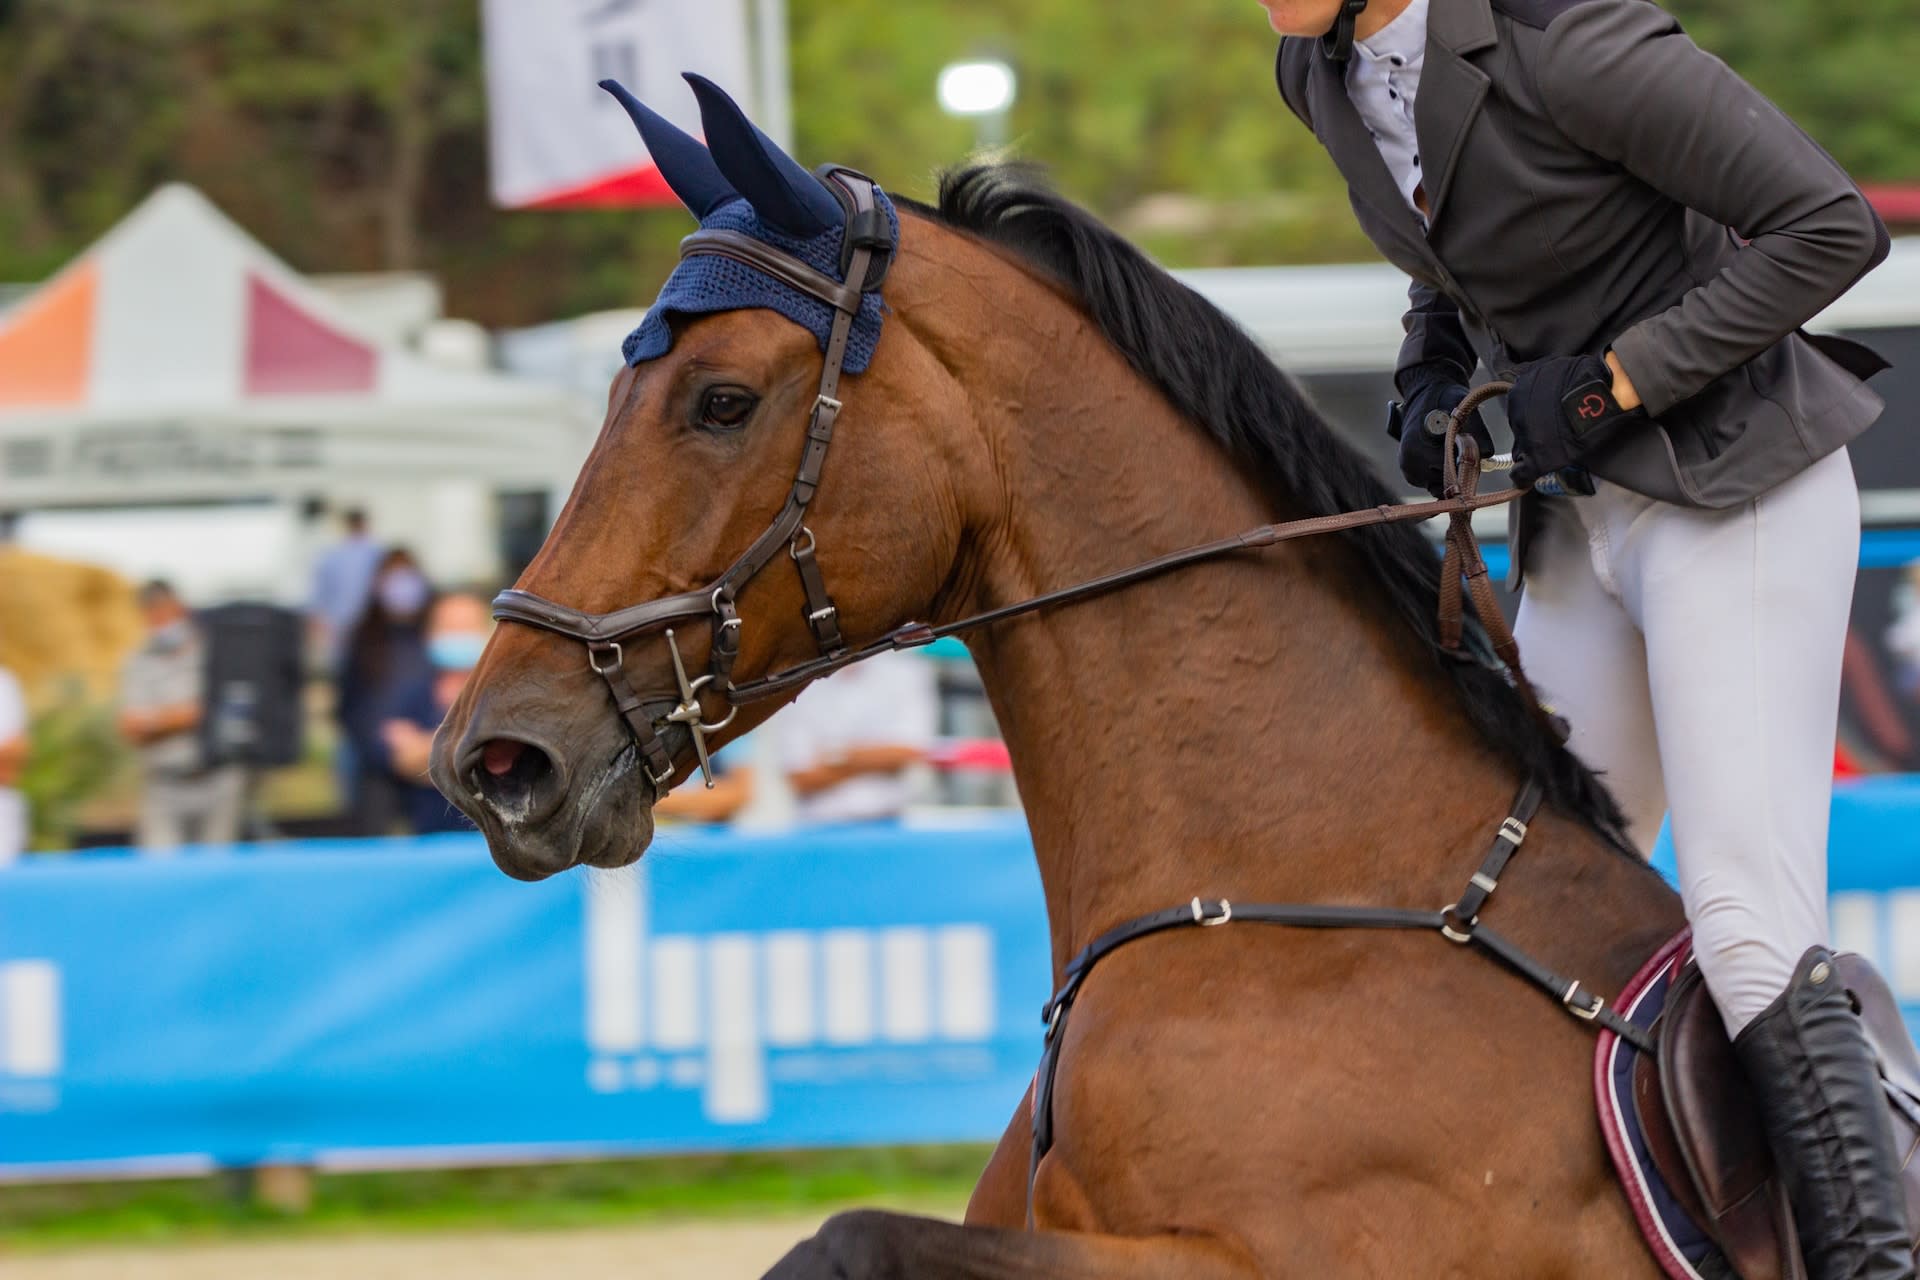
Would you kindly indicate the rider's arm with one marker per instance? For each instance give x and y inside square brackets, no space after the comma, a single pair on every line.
[719,803]
[150,724]
[1623,81]
[1434,333]
[854,762]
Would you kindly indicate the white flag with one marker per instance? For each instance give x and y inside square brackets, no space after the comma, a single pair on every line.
[558,140]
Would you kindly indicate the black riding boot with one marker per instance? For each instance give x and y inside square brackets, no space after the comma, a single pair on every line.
[1819,1087]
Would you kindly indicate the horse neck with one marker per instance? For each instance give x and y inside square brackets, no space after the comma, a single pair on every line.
[1233,730]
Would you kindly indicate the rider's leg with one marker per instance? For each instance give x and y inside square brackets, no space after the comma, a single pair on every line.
[1587,659]
[1827,1122]
[1745,613]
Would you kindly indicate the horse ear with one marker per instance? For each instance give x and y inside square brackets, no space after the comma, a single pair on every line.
[683,160]
[780,190]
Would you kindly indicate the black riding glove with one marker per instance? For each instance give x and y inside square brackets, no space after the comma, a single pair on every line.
[1438,386]
[1561,409]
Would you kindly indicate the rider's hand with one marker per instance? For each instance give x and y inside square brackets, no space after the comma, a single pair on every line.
[1562,408]
[1424,388]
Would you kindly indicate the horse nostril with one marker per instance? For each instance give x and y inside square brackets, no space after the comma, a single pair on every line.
[501,755]
[516,779]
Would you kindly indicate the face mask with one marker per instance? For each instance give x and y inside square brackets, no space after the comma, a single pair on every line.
[455,650]
[403,593]
[172,635]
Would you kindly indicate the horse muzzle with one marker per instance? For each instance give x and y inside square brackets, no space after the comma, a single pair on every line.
[549,795]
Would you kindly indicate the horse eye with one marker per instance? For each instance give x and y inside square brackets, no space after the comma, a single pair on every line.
[724,407]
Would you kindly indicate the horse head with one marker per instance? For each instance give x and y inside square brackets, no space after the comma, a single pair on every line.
[713,437]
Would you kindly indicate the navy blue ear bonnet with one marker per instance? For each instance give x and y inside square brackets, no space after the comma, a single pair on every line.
[747,184]
[711,283]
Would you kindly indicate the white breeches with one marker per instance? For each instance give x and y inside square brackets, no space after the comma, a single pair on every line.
[1696,655]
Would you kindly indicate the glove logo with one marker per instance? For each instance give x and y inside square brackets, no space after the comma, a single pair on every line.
[1592,405]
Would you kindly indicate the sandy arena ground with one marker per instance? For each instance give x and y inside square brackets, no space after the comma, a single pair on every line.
[707,1250]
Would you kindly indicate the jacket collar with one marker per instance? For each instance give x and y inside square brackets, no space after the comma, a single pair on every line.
[1344,134]
[1452,90]
[1405,37]
[1461,26]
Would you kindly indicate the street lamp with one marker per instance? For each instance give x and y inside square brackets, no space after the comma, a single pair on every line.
[982,90]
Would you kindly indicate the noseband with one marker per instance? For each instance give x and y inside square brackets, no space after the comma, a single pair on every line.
[867,251]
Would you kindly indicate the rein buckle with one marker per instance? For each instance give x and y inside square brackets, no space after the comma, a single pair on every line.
[1221,913]
[1582,1004]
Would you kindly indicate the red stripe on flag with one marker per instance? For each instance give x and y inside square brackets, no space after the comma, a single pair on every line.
[642,187]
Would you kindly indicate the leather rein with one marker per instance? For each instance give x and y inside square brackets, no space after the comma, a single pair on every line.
[868,248]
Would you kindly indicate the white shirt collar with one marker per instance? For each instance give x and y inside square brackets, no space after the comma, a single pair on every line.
[1402,41]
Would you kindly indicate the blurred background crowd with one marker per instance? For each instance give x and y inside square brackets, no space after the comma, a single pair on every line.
[248,720]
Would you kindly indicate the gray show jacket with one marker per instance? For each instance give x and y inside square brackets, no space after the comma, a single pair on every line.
[1596,180]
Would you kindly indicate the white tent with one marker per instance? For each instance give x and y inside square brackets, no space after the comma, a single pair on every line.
[178,364]
[1335,319]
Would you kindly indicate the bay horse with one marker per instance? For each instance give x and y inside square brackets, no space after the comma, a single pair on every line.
[1046,405]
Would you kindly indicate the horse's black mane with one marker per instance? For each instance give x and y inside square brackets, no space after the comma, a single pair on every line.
[1216,374]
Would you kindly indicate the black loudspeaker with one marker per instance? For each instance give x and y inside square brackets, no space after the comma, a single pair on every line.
[252,713]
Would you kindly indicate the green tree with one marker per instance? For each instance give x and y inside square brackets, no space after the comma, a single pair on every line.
[1845,72]
[75,754]
[352,135]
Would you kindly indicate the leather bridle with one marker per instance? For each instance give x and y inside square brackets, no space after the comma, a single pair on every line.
[868,246]
[867,250]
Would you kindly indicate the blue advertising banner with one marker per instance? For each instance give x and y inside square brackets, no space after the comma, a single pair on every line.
[365,1001]
[358,1003]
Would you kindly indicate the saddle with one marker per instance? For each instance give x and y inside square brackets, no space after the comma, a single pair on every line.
[1704,1135]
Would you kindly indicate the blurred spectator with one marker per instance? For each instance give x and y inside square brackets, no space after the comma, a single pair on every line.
[849,746]
[1881,740]
[851,743]
[342,581]
[162,696]
[731,792]
[1903,635]
[13,761]
[387,652]
[457,629]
